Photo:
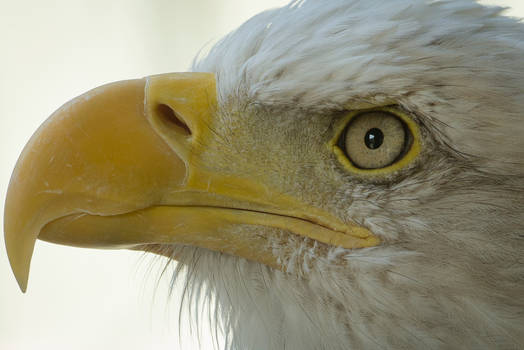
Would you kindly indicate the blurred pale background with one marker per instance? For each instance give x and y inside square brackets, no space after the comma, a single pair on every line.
[52,51]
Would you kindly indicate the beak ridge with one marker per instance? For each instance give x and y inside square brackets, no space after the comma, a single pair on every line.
[98,154]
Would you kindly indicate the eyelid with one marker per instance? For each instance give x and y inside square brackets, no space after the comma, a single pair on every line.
[409,155]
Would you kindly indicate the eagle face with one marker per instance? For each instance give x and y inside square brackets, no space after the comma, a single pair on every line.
[343,175]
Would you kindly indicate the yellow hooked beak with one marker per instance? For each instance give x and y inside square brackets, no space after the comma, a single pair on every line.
[120,167]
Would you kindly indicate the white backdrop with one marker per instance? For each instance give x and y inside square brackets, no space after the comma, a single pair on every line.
[50,52]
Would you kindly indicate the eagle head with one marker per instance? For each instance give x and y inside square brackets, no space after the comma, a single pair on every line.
[331,175]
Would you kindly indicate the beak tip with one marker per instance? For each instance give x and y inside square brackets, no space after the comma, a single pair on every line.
[22,283]
[21,272]
[19,254]
[21,275]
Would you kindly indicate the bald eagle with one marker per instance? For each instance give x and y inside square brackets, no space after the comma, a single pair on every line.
[331,175]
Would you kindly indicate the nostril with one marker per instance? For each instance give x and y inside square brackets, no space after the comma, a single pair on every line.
[169,117]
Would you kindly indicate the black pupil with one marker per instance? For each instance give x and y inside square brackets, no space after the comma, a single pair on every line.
[374,138]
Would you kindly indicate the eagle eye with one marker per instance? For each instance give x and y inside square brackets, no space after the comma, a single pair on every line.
[376,141]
